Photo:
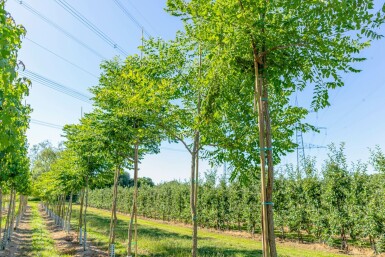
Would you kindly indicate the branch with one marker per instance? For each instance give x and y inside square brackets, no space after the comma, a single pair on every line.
[177,137]
[184,143]
[251,37]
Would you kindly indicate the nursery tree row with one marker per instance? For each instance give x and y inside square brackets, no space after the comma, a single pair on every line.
[334,205]
[14,121]
[222,88]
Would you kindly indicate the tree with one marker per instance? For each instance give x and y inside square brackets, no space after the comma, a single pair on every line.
[42,156]
[132,96]
[284,45]
[336,190]
[89,144]
[14,121]
[377,159]
[125,180]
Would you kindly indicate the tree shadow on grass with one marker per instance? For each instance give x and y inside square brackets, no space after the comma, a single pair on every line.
[103,224]
[204,251]
[100,224]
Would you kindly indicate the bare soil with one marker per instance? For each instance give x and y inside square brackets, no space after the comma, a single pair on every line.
[21,241]
[65,243]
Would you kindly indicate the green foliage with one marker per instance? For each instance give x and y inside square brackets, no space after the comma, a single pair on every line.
[377,159]
[42,156]
[381,244]
[291,45]
[14,115]
[340,203]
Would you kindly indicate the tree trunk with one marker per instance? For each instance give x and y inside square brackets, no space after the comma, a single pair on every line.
[13,215]
[344,244]
[6,228]
[69,213]
[194,171]
[113,211]
[85,218]
[59,202]
[195,242]
[133,217]
[192,200]
[63,206]
[258,103]
[1,216]
[81,215]
[282,232]
[20,211]
[270,174]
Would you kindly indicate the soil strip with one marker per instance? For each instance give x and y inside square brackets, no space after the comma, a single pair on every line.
[21,241]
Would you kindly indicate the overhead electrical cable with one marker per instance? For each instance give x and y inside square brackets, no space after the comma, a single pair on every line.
[131,17]
[46,124]
[71,10]
[64,59]
[56,86]
[174,149]
[144,18]
[66,33]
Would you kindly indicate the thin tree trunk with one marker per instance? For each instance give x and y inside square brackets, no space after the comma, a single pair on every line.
[270,175]
[113,211]
[136,230]
[63,206]
[258,103]
[20,211]
[59,202]
[344,244]
[6,228]
[13,215]
[192,199]
[194,171]
[69,212]
[81,215]
[85,218]
[134,206]
[130,226]
[1,216]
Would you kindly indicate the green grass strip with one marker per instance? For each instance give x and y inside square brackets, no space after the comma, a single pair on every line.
[161,240]
[42,243]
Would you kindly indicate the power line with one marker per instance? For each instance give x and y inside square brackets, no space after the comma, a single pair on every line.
[144,18]
[46,124]
[131,17]
[71,10]
[56,86]
[64,59]
[66,33]
[173,149]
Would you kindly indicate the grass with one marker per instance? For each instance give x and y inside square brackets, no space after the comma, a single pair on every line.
[157,239]
[42,244]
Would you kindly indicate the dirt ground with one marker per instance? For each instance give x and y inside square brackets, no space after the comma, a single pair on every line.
[65,243]
[20,245]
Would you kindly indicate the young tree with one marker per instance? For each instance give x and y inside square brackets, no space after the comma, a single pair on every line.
[336,191]
[14,119]
[284,46]
[89,144]
[137,98]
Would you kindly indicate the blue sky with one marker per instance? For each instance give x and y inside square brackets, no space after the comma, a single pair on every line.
[356,115]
